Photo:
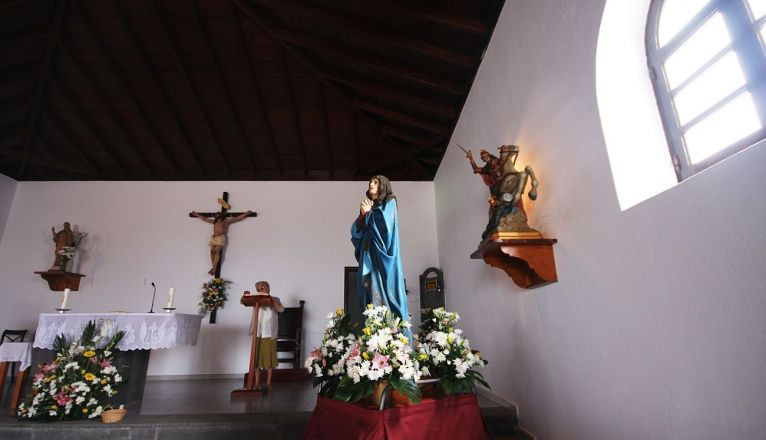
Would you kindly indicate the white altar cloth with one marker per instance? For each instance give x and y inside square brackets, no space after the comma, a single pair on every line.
[143,331]
[16,352]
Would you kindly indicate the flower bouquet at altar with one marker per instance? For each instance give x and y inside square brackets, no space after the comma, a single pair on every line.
[350,367]
[79,382]
[445,354]
[213,295]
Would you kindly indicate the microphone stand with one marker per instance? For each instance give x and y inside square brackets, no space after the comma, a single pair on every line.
[151,310]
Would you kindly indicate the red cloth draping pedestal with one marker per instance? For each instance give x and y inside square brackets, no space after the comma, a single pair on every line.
[454,417]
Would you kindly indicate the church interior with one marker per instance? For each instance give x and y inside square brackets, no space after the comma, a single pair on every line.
[122,118]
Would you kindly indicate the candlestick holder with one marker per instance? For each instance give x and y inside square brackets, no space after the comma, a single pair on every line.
[62,310]
[168,309]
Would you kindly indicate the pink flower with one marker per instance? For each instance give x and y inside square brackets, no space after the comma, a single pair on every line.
[39,376]
[49,368]
[354,352]
[62,398]
[379,361]
[105,363]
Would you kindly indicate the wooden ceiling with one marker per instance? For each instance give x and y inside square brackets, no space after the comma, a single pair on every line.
[234,89]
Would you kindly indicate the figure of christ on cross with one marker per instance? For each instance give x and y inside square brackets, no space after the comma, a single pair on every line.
[220,221]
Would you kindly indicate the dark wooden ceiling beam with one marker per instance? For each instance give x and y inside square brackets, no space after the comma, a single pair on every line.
[418,149]
[293,109]
[190,85]
[388,92]
[405,135]
[102,140]
[45,161]
[107,104]
[19,106]
[354,127]
[88,170]
[298,57]
[42,80]
[12,134]
[460,23]
[229,100]
[19,73]
[369,33]
[257,86]
[140,109]
[12,4]
[65,134]
[23,37]
[326,129]
[401,117]
[370,62]
[193,149]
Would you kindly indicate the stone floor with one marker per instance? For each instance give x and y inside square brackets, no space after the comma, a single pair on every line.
[191,409]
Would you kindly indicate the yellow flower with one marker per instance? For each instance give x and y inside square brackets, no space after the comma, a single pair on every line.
[85,410]
[82,371]
[103,381]
[89,376]
[370,306]
[339,311]
[404,339]
[366,356]
[54,407]
[48,379]
[449,339]
[422,356]
[366,331]
[89,354]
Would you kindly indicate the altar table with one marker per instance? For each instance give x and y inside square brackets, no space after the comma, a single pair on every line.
[143,332]
[454,417]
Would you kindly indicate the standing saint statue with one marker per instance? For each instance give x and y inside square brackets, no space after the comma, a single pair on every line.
[218,239]
[375,235]
[65,243]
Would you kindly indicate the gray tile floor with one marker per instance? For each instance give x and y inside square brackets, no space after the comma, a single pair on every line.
[213,396]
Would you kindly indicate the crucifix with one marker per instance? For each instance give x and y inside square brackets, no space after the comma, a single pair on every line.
[220,221]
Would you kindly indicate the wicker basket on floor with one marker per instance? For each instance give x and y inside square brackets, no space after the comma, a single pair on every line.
[113,415]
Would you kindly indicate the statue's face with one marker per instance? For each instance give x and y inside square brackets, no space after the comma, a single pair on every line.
[66,225]
[485,157]
[373,187]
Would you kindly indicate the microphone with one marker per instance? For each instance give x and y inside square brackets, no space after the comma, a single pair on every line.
[151,310]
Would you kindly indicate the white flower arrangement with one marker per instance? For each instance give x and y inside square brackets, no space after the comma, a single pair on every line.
[445,354]
[348,367]
[78,383]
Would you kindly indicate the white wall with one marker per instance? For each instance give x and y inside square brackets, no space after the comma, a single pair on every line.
[299,242]
[7,190]
[656,327]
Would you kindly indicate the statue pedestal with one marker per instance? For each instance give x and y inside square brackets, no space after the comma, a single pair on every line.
[58,280]
[528,261]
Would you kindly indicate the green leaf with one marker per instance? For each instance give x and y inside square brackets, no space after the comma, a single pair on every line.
[408,388]
[88,334]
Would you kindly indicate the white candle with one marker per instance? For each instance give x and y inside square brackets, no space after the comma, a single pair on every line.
[66,297]
[170,297]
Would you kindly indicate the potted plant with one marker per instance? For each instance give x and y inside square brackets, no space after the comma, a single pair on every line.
[79,382]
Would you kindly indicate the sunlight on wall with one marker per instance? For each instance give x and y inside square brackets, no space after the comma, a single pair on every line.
[635,141]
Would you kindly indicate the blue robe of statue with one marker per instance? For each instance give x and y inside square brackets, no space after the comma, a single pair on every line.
[376,244]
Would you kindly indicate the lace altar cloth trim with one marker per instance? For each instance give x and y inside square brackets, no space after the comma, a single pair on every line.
[143,331]
[16,352]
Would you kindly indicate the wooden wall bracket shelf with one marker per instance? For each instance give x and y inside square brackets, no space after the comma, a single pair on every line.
[58,280]
[528,261]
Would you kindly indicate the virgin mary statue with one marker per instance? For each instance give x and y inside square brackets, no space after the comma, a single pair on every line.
[375,235]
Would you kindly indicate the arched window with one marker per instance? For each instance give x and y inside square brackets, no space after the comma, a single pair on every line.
[707,60]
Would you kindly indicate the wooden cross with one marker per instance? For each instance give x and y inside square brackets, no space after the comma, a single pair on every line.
[218,241]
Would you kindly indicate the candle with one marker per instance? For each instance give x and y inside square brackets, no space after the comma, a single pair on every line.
[170,297]
[66,297]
